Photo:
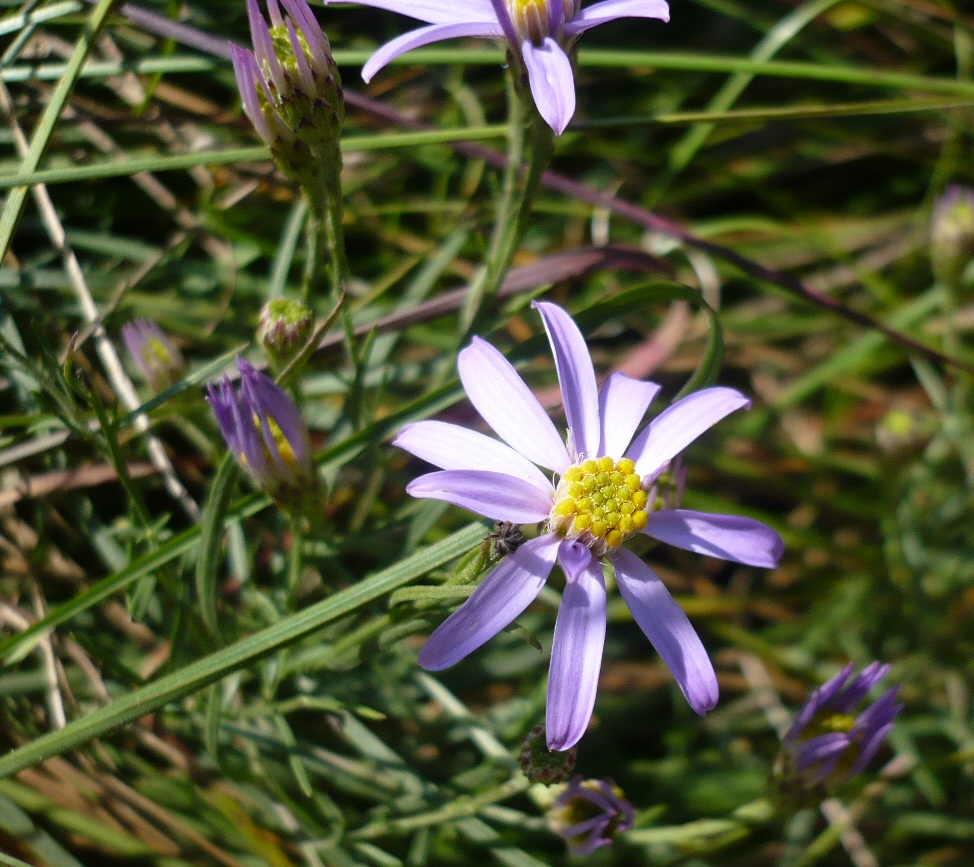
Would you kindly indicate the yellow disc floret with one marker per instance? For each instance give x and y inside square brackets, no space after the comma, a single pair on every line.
[600,502]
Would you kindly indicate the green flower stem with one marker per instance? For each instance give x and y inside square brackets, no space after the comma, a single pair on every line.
[295,564]
[530,143]
[739,824]
[458,809]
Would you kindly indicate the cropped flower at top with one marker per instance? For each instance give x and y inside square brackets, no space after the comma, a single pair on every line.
[606,492]
[538,32]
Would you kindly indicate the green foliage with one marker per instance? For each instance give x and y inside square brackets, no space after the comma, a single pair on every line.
[191,676]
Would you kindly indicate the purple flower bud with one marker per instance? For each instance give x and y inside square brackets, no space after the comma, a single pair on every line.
[267,436]
[589,813]
[828,743]
[291,91]
[158,361]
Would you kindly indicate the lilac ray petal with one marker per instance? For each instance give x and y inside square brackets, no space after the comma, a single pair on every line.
[623,402]
[509,407]
[667,628]
[576,655]
[869,749]
[436,11]
[424,36]
[610,10]
[729,537]
[552,82]
[451,447]
[502,595]
[821,754]
[680,424]
[245,70]
[267,395]
[493,495]
[856,691]
[579,391]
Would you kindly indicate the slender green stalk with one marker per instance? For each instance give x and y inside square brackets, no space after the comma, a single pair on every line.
[739,823]
[458,809]
[529,147]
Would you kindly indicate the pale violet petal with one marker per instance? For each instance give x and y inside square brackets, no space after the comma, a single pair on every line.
[667,628]
[424,36]
[729,537]
[576,654]
[451,447]
[623,402]
[680,424]
[509,407]
[552,82]
[493,495]
[611,10]
[436,11]
[579,391]
[506,591]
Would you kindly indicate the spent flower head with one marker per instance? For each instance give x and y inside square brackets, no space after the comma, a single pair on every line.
[952,234]
[267,436]
[605,492]
[291,91]
[540,34]
[589,813]
[542,765]
[828,742]
[158,361]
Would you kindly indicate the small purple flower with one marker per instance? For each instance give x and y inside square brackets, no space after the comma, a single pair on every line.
[589,813]
[291,90]
[601,498]
[266,434]
[952,233]
[158,361]
[828,743]
[538,31]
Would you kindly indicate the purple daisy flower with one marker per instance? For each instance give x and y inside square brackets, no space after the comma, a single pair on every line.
[155,356]
[827,743]
[604,495]
[538,32]
[589,813]
[266,434]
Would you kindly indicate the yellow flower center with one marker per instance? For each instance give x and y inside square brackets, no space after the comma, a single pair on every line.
[601,503]
[824,723]
[530,19]
[283,446]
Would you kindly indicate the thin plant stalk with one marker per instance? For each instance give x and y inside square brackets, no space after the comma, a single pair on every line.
[529,148]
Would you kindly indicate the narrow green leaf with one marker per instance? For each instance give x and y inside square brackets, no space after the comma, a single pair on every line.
[212,668]
[211,538]
[52,112]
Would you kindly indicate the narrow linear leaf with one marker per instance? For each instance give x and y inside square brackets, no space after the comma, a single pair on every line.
[211,537]
[193,677]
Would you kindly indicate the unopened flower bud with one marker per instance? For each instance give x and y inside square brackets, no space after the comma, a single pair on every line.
[158,361]
[541,765]
[952,234]
[292,93]
[828,743]
[589,813]
[284,328]
[267,436]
